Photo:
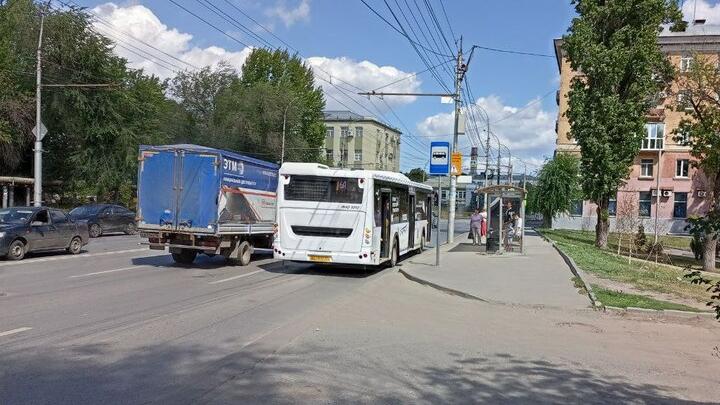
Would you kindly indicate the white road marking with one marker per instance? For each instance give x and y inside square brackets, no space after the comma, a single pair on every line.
[107,271]
[69,256]
[14,331]
[236,277]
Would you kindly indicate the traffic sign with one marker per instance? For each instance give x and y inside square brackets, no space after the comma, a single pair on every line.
[456,164]
[439,158]
[42,133]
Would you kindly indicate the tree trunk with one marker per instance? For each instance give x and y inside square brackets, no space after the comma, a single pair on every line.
[709,253]
[602,227]
[547,220]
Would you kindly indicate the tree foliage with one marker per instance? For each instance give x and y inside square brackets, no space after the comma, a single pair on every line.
[613,45]
[700,90]
[94,133]
[557,187]
[417,174]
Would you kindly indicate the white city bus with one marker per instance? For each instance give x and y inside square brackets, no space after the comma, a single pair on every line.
[358,217]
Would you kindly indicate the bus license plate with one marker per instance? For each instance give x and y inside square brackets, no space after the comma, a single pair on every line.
[320,259]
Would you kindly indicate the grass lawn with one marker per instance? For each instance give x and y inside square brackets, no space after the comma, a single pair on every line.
[623,300]
[604,264]
[669,241]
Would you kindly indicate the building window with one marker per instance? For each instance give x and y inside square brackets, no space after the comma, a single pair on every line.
[680,205]
[612,206]
[358,131]
[329,155]
[461,195]
[358,155]
[684,99]
[645,202]
[329,132]
[655,135]
[685,63]
[646,167]
[683,138]
[576,208]
[344,131]
[682,168]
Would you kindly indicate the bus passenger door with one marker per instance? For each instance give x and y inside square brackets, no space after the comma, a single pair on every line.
[385,212]
[411,222]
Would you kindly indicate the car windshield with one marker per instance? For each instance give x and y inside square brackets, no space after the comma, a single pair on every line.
[85,210]
[15,215]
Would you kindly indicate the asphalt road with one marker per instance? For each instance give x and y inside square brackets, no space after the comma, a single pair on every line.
[123,324]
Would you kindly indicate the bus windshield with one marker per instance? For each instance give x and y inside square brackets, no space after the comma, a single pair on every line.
[324,189]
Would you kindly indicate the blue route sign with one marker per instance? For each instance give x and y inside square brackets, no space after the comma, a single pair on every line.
[439,158]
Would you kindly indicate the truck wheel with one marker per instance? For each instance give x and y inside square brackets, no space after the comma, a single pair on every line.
[186,256]
[245,253]
[16,250]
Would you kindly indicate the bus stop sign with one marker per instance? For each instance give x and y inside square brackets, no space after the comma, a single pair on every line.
[439,158]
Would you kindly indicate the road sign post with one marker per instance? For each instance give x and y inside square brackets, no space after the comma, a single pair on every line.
[440,167]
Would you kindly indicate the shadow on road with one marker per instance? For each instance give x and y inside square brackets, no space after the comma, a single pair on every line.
[168,373]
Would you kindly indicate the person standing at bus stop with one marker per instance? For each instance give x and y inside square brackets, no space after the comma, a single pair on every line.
[476,222]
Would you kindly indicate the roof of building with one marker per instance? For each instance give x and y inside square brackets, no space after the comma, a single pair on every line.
[345,115]
[699,36]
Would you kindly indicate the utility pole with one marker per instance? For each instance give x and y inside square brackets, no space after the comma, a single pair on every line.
[459,72]
[524,176]
[487,164]
[498,165]
[37,190]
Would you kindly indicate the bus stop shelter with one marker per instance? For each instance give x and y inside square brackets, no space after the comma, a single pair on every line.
[505,232]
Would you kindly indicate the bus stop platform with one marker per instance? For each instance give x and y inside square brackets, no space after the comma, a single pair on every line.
[537,277]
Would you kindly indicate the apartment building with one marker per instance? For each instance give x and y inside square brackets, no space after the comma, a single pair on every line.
[358,142]
[662,185]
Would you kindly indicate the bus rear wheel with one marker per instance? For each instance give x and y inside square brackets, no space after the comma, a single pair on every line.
[394,254]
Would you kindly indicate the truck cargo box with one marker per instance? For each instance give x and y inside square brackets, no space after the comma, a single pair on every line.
[196,189]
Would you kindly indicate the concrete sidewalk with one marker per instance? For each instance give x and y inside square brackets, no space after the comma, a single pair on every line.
[537,277]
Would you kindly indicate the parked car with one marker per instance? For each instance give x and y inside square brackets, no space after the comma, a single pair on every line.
[105,218]
[38,229]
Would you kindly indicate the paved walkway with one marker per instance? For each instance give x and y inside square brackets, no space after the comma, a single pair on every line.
[537,277]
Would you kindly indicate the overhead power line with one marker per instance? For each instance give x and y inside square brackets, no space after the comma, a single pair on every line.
[542,55]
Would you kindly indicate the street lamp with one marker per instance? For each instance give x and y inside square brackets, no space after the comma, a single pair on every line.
[282,151]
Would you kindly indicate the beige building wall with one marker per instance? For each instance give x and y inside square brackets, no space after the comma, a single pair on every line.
[362,145]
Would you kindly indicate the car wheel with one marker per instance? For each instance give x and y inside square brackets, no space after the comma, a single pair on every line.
[186,256]
[75,245]
[16,250]
[131,229]
[95,230]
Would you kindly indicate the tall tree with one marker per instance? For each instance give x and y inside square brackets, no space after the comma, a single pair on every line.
[417,174]
[557,187]
[613,46]
[699,89]
[93,134]
[274,87]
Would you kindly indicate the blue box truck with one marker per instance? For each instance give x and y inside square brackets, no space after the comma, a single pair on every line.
[193,199]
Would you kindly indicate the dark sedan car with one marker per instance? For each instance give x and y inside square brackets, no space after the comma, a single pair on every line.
[39,229]
[106,218]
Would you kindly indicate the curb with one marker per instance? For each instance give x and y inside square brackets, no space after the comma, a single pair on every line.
[441,288]
[666,313]
[575,270]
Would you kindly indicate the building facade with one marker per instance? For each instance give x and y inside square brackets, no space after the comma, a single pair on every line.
[662,187]
[358,142]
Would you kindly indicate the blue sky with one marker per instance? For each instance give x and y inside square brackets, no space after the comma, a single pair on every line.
[346,43]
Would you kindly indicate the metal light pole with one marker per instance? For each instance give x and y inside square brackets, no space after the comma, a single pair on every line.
[453,176]
[37,190]
[282,150]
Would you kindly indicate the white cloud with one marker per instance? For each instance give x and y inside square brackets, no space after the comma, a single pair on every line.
[290,15]
[529,132]
[705,10]
[350,76]
[141,23]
